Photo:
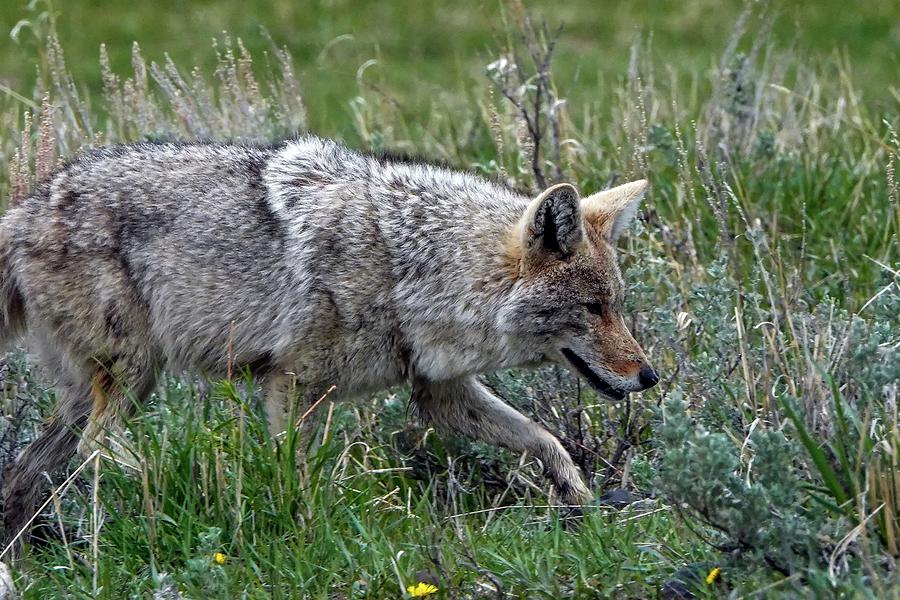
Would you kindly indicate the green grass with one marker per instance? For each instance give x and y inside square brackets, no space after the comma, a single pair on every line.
[429,49]
[353,522]
[763,283]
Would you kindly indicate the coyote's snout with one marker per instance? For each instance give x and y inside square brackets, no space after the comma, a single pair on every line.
[314,266]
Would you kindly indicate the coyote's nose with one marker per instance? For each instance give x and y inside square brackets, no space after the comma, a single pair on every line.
[648,377]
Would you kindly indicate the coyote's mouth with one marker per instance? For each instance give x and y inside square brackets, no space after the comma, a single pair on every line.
[595,380]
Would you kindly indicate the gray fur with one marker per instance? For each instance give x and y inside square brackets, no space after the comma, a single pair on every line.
[314,265]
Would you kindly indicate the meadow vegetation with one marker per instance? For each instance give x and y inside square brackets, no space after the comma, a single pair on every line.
[764,280]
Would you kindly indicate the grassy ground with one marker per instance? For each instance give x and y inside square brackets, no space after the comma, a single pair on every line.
[428,49]
[763,280]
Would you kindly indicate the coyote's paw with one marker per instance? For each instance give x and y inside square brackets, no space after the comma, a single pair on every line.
[618,498]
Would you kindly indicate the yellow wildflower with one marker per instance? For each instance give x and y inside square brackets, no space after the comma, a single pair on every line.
[713,575]
[219,558]
[421,589]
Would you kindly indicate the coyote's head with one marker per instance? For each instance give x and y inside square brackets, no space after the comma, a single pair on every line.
[569,293]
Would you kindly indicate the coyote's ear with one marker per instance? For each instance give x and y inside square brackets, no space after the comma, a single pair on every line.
[552,224]
[611,211]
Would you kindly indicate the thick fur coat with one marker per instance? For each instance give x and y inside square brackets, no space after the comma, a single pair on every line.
[313,265]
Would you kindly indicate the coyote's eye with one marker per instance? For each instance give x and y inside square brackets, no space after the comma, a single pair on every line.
[595,308]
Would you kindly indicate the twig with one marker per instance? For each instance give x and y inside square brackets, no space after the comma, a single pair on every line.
[515,506]
[314,405]
[14,94]
[60,491]
[533,95]
[95,524]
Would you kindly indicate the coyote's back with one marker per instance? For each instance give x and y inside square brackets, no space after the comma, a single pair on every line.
[150,244]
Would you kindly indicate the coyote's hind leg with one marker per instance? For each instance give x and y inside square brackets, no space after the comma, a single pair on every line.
[117,388]
[90,404]
[23,481]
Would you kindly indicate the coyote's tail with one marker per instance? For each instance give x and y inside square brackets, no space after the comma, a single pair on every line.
[12,306]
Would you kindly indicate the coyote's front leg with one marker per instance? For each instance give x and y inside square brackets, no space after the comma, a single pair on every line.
[468,407]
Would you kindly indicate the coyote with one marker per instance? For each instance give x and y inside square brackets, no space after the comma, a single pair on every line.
[312,265]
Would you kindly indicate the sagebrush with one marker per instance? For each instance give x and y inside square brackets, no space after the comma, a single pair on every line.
[768,251]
